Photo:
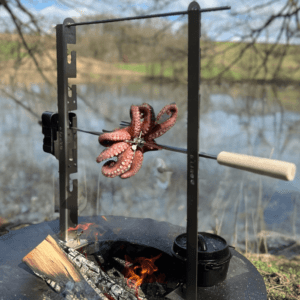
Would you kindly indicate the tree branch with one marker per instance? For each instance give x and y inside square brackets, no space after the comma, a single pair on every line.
[17,24]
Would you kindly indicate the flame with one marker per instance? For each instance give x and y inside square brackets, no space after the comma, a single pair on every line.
[82,226]
[104,218]
[96,236]
[3,221]
[87,228]
[141,273]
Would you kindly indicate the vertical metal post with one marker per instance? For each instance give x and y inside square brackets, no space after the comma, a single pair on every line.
[193,148]
[67,141]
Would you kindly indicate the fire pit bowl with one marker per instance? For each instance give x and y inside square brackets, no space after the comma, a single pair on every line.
[213,257]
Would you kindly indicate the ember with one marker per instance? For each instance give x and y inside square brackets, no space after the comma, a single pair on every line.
[109,296]
[87,229]
[141,273]
[82,226]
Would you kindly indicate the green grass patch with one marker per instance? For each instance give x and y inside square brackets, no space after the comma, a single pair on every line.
[220,55]
[9,50]
[95,76]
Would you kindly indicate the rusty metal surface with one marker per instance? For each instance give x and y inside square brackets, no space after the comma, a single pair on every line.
[17,281]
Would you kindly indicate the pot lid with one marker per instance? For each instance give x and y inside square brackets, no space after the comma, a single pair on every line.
[210,247]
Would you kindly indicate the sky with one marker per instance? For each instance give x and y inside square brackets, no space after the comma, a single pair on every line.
[213,23]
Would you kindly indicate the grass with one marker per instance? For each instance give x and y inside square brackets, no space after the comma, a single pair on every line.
[216,56]
[9,50]
[217,59]
[281,276]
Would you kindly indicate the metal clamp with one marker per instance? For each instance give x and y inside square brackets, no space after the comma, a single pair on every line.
[50,130]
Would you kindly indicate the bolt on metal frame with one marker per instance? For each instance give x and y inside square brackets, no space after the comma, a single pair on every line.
[65,146]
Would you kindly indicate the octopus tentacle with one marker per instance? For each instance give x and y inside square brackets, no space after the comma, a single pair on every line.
[135,166]
[151,146]
[123,164]
[130,143]
[160,129]
[109,164]
[168,109]
[107,139]
[135,127]
[149,117]
[114,150]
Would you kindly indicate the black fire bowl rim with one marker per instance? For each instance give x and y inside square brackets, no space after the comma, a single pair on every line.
[17,279]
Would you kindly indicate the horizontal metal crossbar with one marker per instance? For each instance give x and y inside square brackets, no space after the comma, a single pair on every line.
[149,16]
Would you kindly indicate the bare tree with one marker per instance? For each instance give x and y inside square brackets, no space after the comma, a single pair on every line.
[285,22]
[11,7]
[286,18]
[33,25]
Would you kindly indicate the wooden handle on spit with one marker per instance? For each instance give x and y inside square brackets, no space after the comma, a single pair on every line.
[264,166]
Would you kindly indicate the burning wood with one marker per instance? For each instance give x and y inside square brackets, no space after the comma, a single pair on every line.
[60,266]
[141,270]
[96,277]
[87,229]
[136,279]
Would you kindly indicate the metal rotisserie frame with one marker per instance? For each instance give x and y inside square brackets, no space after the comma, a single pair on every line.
[61,141]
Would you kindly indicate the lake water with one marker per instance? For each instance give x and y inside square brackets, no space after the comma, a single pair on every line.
[245,119]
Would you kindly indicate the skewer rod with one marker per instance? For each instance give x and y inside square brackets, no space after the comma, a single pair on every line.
[90,132]
[264,166]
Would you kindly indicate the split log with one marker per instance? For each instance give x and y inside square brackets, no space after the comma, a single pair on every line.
[49,260]
[52,264]
[69,273]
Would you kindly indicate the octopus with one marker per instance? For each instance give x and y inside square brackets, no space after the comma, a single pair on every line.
[129,144]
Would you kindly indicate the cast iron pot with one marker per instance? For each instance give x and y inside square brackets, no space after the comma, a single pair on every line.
[213,257]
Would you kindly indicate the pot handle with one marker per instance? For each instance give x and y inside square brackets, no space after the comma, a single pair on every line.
[201,242]
[216,266]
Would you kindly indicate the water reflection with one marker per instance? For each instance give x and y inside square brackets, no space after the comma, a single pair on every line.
[241,119]
[279,208]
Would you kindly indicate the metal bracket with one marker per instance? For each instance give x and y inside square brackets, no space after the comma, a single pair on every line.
[51,144]
[67,139]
